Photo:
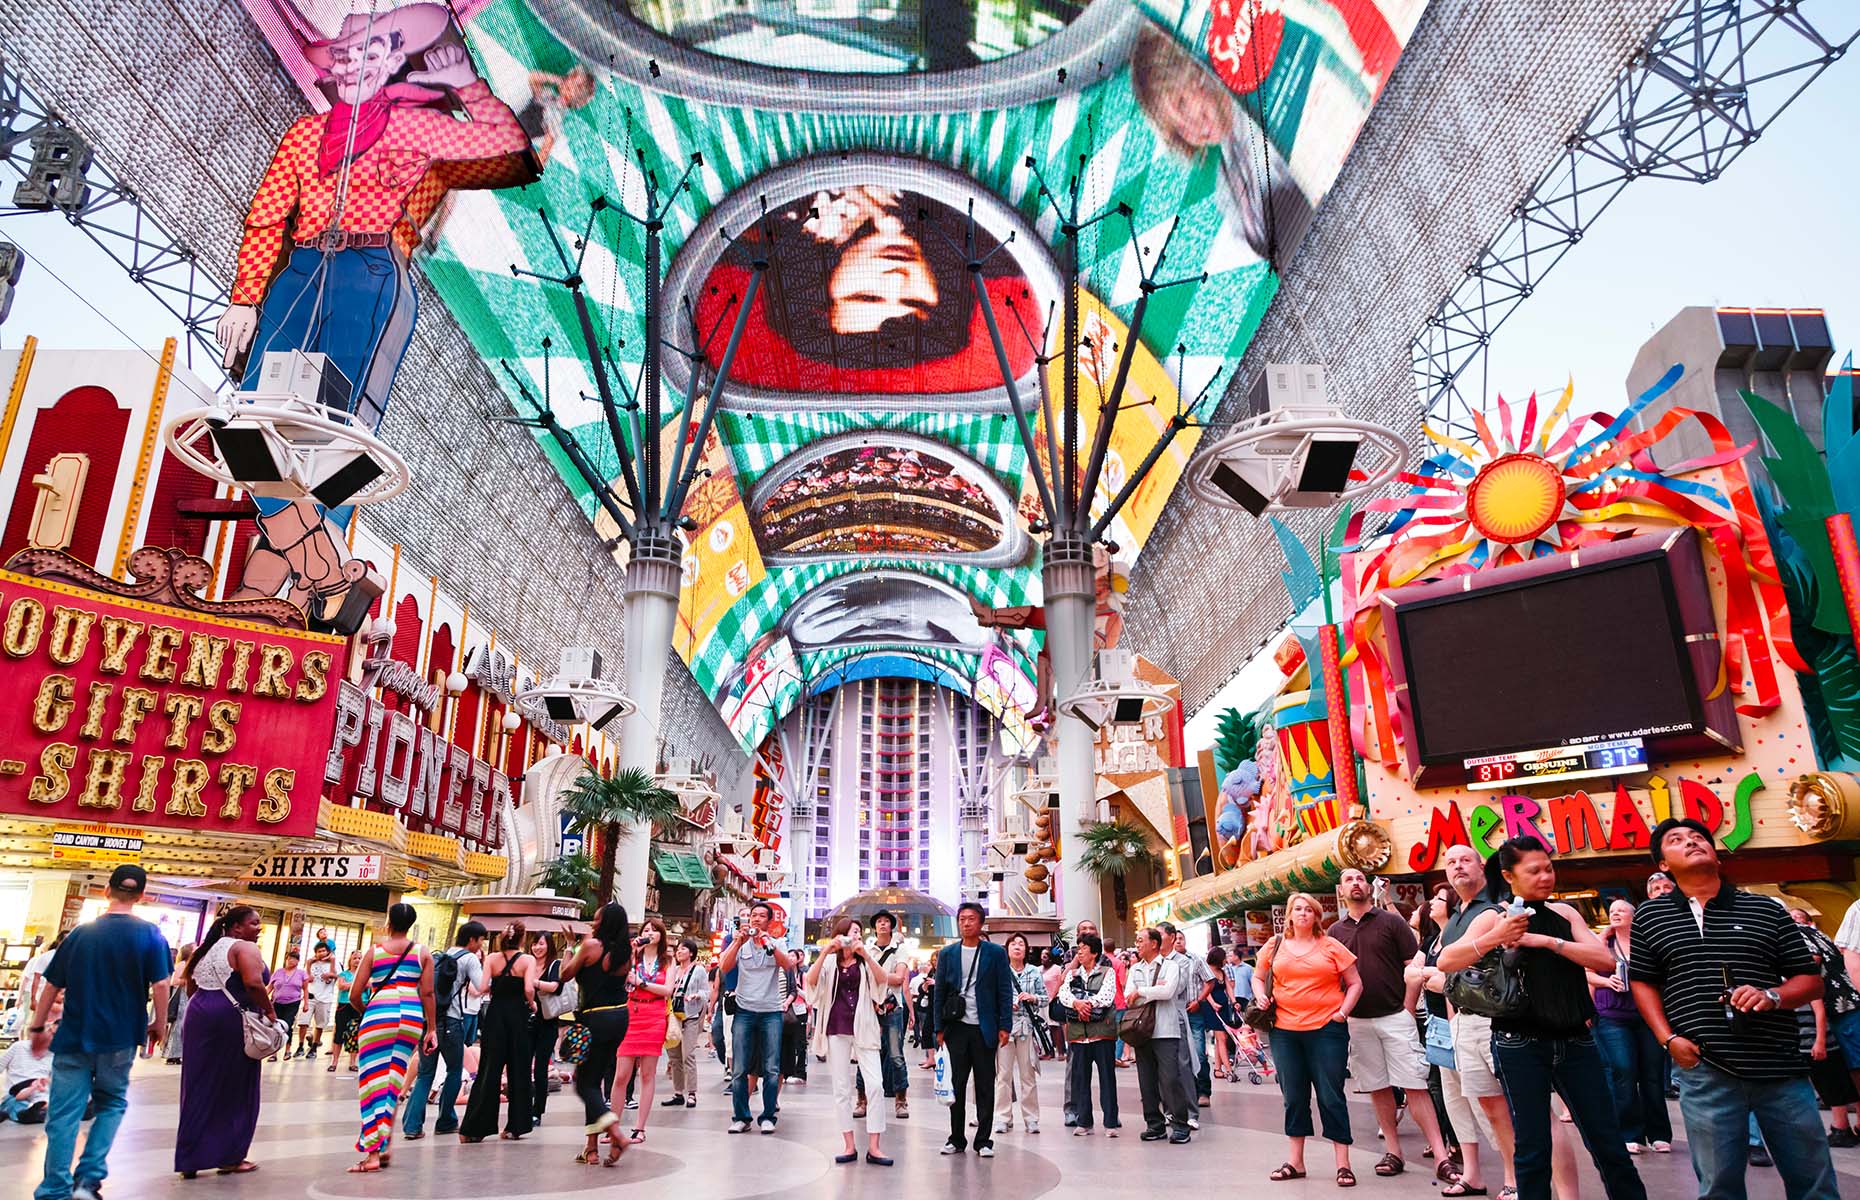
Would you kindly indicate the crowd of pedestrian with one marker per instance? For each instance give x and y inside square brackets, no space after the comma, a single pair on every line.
[1492,1018]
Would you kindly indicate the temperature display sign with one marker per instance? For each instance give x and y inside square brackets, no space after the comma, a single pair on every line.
[1620,757]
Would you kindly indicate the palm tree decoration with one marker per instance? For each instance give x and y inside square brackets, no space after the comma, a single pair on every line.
[1112,849]
[574,876]
[609,803]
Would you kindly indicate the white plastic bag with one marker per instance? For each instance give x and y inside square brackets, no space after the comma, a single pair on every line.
[945,1085]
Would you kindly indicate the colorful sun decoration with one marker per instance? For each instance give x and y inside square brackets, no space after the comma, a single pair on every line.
[1530,488]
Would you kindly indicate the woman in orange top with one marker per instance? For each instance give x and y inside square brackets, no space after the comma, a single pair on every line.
[1310,983]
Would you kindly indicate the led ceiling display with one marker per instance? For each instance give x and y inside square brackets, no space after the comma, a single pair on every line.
[892,494]
[851,167]
[884,607]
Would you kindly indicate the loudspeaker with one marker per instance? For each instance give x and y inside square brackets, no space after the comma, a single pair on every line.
[561,708]
[249,452]
[335,488]
[1239,489]
[601,722]
[1327,464]
[1129,711]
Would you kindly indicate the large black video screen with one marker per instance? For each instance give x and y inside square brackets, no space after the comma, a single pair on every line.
[1594,653]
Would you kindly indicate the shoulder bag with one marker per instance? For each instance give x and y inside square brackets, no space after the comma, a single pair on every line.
[1260,1011]
[954,1009]
[553,1006]
[1491,987]
[1136,1024]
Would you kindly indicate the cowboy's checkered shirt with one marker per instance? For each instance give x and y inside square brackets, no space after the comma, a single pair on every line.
[394,185]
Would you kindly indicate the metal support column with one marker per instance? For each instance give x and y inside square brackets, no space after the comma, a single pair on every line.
[1071,612]
[652,578]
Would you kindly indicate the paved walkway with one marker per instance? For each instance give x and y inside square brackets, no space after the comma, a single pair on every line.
[307,1132]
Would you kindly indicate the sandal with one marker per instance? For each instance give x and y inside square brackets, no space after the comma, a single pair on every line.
[1346,1177]
[1390,1165]
[364,1168]
[590,1156]
[1285,1171]
[1458,1187]
[387,1160]
[638,1136]
[242,1168]
[1447,1171]
[615,1148]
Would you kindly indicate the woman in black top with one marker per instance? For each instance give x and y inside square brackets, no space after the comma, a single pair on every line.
[600,969]
[1547,1045]
[504,1057]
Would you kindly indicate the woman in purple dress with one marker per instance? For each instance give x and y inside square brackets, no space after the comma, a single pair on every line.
[219,1082]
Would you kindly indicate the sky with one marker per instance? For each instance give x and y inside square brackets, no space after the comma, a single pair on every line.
[1776,230]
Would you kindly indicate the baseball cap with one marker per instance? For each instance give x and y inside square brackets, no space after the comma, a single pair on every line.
[128,878]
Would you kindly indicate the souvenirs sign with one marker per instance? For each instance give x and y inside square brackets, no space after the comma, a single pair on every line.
[140,714]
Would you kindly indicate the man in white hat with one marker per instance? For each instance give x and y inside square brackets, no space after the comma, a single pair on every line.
[351,188]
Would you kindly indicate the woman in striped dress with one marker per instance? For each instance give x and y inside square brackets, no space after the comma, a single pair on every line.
[396,1006]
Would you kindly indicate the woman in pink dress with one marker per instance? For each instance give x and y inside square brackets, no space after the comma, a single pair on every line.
[648,985]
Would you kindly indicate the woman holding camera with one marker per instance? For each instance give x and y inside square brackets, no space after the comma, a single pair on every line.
[690,994]
[843,986]
[1017,1064]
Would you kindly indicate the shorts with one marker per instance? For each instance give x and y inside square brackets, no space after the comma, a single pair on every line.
[1846,1030]
[1472,1056]
[1386,1052]
[322,1013]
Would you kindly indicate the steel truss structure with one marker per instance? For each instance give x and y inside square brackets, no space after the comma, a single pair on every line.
[108,211]
[1708,81]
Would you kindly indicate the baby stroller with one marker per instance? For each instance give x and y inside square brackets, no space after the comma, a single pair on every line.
[1249,1053]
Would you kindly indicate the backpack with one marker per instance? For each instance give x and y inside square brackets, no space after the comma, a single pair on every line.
[445,981]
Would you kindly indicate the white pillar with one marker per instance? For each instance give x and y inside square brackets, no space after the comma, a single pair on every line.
[1071,610]
[652,579]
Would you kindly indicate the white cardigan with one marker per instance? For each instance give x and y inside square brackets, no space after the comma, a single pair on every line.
[866,1034]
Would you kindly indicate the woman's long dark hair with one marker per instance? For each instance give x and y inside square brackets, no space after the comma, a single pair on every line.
[614,935]
[664,950]
[1507,856]
[226,920]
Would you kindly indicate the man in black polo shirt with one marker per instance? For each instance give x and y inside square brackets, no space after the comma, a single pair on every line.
[1715,972]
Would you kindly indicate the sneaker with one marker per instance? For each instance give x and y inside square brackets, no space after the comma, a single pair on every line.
[1033,1127]
[985,1151]
[87,1191]
[765,1125]
[632,1104]
[903,1110]
[859,1111]
[739,1126]
[1004,1127]
[951,1148]
[677,1101]
[1760,1157]
[1194,1122]
[1842,1138]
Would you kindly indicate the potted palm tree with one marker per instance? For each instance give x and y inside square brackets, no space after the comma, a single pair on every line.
[1111,850]
[609,803]
[574,876]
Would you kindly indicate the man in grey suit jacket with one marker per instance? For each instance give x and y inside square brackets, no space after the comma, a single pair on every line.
[974,1007]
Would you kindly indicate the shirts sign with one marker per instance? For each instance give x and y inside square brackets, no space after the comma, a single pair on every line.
[140,714]
[315,868]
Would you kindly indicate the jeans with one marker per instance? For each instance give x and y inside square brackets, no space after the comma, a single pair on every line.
[755,1048]
[1717,1108]
[77,1079]
[1081,1057]
[1636,1068]
[1310,1059]
[717,1043]
[1159,1083]
[12,1108]
[1530,1068]
[1198,1042]
[897,1075]
[971,1054]
[452,1050]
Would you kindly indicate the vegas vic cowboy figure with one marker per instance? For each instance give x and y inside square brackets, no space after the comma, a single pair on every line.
[351,187]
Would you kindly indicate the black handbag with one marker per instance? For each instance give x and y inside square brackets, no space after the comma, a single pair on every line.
[1258,1015]
[1491,987]
[954,1009]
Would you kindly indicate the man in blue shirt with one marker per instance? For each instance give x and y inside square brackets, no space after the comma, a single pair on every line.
[105,972]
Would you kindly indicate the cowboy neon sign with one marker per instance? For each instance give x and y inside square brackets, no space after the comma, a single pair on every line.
[1574,823]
